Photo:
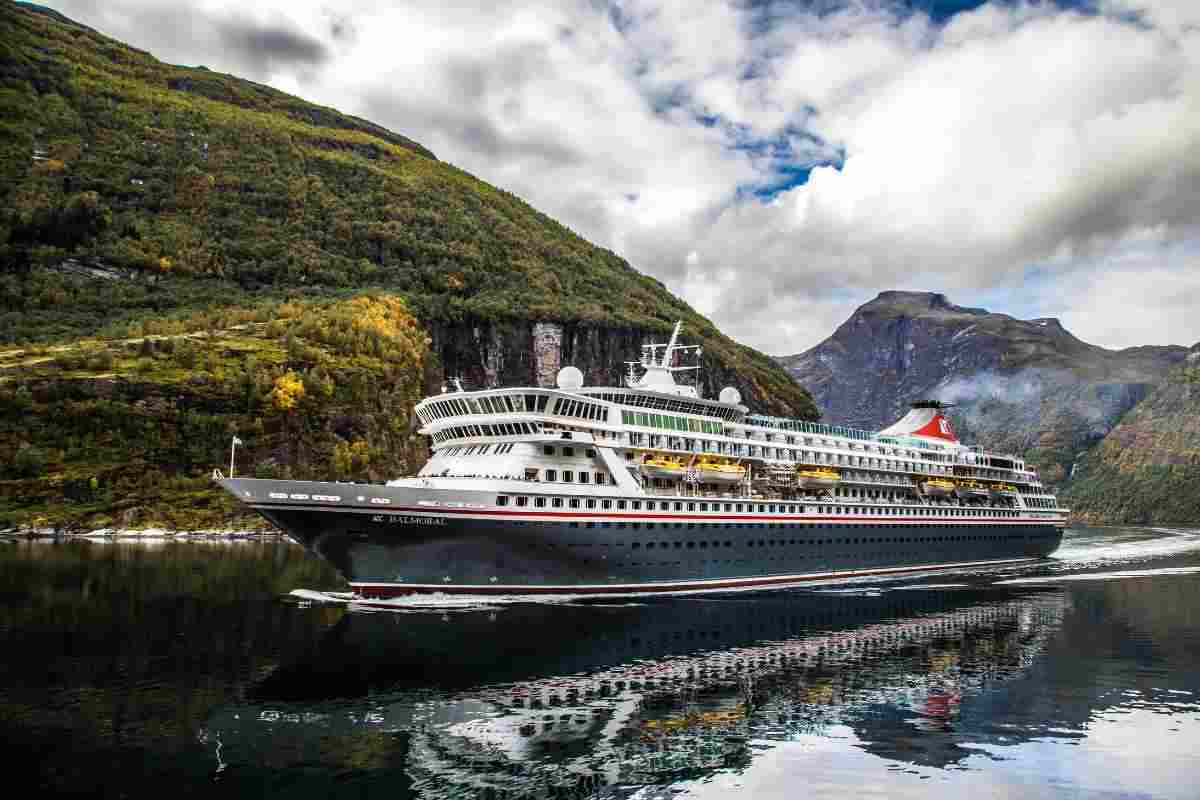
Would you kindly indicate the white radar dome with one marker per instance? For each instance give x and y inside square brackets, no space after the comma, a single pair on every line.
[569,378]
[730,396]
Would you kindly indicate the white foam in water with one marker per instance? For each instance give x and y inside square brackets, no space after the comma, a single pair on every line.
[932,586]
[1102,576]
[1105,549]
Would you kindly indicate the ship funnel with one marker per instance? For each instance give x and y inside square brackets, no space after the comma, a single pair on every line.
[925,420]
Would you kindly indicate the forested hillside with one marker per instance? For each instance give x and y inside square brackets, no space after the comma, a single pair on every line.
[1147,469]
[147,209]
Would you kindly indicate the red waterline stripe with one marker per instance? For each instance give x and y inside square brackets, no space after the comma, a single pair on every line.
[440,511]
[385,590]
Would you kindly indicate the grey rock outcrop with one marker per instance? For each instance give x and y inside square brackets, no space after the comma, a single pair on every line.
[530,353]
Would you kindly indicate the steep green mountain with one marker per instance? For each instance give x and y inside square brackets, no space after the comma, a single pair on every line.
[1147,469]
[1025,386]
[175,242]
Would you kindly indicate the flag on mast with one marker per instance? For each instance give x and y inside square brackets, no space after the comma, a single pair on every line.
[236,440]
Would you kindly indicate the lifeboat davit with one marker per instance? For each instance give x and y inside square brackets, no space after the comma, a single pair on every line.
[665,467]
[719,471]
[938,488]
[817,478]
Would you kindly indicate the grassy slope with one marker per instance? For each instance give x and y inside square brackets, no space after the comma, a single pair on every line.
[124,432]
[207,203]
[209,189]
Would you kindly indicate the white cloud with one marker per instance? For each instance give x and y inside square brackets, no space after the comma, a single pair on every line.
[1145,292]
[1013,135]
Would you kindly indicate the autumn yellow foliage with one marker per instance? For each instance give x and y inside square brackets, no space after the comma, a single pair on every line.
[383,315]
[288,391]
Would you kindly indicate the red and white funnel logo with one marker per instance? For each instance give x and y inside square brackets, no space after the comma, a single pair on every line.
[938,428]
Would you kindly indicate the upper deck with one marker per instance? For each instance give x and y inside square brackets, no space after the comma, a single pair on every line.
[624,418]
[654,413]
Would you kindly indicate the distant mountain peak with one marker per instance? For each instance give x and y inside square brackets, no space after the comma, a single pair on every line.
[1021,385]
[916,303]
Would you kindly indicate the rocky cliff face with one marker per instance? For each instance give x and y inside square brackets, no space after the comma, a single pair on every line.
[1147,469]
[527,352]
[1025,386]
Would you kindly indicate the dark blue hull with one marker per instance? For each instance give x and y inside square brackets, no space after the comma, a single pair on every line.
[389,554]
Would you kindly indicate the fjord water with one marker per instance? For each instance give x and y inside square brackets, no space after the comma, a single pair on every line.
[132,670]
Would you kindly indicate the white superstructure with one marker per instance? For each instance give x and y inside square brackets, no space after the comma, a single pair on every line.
[655,438]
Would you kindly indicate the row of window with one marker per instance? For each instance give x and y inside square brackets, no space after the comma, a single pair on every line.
[608,504]
[578,408]
[478,449]
[647,419]
[1039,502]
[566,476]
[511,403]
[678,405]
[703,544]
[804,426]
[508,403]
[567,452]
[500,429]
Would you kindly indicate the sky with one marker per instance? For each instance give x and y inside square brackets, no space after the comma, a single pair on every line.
[777,163]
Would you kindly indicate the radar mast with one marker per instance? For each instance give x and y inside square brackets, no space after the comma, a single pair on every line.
[657,373]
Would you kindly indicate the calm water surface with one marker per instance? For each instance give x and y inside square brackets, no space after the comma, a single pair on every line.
[134,669]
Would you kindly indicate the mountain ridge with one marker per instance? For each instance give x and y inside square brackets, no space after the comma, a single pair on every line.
[1027,386]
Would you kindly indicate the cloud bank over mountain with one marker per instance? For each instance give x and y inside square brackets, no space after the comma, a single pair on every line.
[777,163]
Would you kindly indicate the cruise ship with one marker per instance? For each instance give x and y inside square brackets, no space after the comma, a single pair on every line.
[651,488]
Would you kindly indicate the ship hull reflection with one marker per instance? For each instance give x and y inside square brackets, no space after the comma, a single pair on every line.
[489,701]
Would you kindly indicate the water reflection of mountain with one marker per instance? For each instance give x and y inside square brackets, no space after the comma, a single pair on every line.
[542,701]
